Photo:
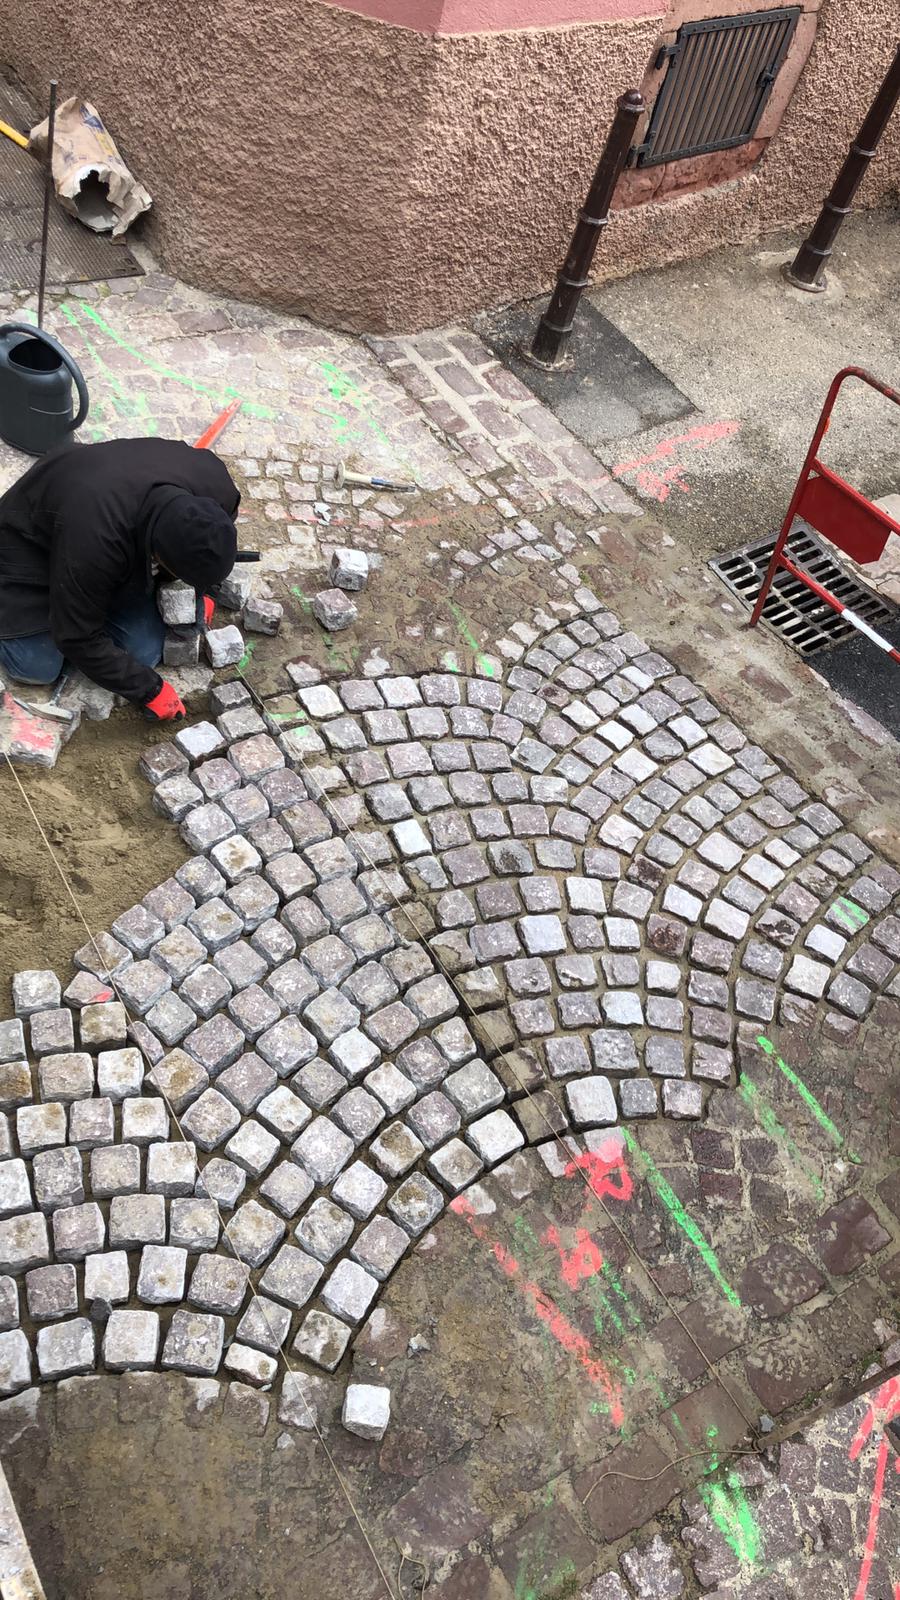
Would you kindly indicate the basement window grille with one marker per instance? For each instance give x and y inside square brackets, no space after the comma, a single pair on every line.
[721,73]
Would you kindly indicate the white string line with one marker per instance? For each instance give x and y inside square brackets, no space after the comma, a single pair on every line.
[357,840]
[293,1372]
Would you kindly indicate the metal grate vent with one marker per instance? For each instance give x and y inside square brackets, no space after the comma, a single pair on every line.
[796,614]
[721,73]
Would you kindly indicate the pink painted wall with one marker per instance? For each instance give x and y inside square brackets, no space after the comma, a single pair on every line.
[470,154]
[447,17]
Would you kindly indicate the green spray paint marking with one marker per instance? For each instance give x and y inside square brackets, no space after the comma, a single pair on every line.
[729,1508]
[525,1586]
[623,1294]
[663,1398]
[245,658]
[342,387]
[304,599]
[685,1222]
[601,1304]
[769,1122]
[449,662]
[608,1310]
[849,914]
[100,406]
[465,632]
[128,406]
[532,1583]
[806,1095]
[336,656]
[250,407]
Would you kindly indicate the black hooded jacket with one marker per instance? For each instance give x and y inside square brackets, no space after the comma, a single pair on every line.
[76,541]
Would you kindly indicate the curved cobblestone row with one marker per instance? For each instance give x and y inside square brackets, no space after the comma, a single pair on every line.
[441,918]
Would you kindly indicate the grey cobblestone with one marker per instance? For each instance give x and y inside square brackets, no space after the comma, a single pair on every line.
[633,868]
[130,1340]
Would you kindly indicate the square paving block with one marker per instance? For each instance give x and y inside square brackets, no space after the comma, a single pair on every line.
[131,1340]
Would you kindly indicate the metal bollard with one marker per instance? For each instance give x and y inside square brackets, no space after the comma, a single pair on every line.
[554,329]
[807,268]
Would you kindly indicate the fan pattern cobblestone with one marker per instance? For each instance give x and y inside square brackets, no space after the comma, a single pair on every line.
[437,919]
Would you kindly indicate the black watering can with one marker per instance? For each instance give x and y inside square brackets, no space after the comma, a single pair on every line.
[36,377]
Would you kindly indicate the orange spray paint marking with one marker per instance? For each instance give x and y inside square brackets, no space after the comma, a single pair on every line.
[575,1266]
[547,1311]
[885,1405]
[659,485]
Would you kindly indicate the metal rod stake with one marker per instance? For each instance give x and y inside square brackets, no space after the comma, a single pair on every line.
[48,191]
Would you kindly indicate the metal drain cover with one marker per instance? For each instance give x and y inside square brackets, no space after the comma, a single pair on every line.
[795,613]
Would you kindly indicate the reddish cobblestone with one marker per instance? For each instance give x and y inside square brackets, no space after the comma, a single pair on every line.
[847,1234]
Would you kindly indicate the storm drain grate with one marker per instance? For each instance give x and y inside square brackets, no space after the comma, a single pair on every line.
[804,621]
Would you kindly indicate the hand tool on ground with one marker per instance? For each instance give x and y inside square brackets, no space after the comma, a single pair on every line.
[14,134]
[50,707]
[216,427]
[361,480]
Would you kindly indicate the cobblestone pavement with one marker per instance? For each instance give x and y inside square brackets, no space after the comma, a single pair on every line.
[512,931]
[437,921]
[507,492]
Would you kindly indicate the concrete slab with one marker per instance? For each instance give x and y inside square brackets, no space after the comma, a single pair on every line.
[609,389]
[756,357]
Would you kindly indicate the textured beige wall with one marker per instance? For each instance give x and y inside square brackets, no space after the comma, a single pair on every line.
[377,178]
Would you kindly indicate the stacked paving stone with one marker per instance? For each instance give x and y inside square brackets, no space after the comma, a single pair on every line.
[223,646]
[440,919]
[348,573]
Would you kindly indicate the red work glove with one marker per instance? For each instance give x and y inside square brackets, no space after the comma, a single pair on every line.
[209,609]
[165,705]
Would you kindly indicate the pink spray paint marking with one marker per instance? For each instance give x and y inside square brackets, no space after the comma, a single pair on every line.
[547,1311]
[658,484]
[885,1405]
[606,1170]
[31,732]
[575,1266]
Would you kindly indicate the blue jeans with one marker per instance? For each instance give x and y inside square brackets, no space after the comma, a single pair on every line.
[136,626]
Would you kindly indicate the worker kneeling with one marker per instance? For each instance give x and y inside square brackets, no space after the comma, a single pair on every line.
[85,537]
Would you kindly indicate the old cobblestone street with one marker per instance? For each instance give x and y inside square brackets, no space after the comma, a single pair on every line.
[447,1179]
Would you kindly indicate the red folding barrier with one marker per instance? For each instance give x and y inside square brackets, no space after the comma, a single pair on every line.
[838,512]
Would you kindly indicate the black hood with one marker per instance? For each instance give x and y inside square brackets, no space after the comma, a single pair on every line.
[190,535]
